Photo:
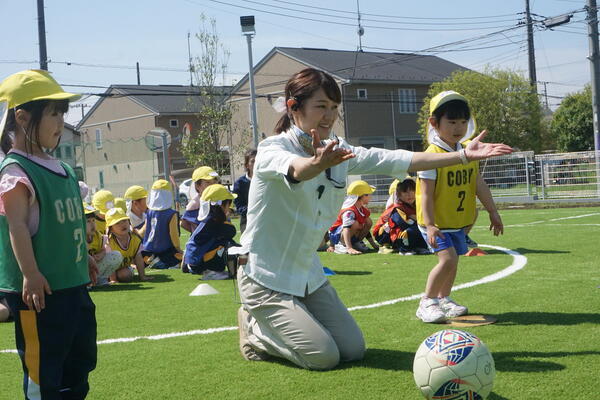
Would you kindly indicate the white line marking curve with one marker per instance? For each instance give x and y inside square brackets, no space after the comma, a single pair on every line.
[518,263]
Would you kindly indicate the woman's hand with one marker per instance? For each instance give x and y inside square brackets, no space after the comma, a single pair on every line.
[477,150]
[326,156]
[35,288]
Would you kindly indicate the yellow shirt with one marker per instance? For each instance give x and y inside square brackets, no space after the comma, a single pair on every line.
[128,253]
[454,196]
[95,246]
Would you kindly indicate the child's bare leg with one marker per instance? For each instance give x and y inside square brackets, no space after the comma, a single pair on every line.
[449,282]
[347,235]
[4,312]
[445,268]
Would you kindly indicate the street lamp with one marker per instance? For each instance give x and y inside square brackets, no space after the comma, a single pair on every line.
[248,30]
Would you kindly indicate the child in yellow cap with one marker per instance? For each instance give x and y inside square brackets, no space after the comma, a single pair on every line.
[126,242]
[136,200]
[353,223]
[161,239]
[102,201]
[206,251]
[44,264]
[202,177]
[107,260]
[396,229]
[446,199]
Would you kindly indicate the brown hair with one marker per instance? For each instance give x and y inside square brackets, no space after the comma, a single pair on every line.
[301,86]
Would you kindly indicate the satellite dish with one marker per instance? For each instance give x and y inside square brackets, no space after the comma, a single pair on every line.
[154,139]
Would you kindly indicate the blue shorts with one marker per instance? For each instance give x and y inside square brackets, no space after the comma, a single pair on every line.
[336,235]
[451,239]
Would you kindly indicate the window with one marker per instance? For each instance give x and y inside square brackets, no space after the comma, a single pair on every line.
[101,179]
[58,152]
[98,138]
[407,101]
[361,94]
[173,123]
[67,151]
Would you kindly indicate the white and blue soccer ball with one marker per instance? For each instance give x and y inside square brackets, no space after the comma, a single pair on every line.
[454,365]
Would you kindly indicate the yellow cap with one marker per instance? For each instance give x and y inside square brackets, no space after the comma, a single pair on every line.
[135,192]
[88,209]
[205,173]
[120,203]
[29,85]
[161,184]
[115,215]
[103,200]
[360,188]
[444,97]
[217,192]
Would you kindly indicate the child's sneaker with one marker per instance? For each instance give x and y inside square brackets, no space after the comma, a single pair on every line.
[422,251]
[340,249]
[406,253]
[429,311]
[385,249]
[360,246]
[451,308]
[470,242]
[209,275]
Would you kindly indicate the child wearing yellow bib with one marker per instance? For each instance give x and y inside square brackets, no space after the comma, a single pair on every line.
[446,203]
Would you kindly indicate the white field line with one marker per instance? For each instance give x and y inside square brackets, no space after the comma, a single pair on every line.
[544,221]
[518,263]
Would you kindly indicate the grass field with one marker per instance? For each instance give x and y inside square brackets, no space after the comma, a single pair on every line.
[545,343]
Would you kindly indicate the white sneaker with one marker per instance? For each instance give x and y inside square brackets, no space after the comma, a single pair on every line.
[429,311]
[340,249]
[385,250]
[209,275]
[451,308]
[406,253]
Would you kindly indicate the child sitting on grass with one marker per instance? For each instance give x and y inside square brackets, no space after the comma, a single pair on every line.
[202,178]
[353,223]
[129,244]
[206,251]
[160,247]
[396,228]
[102,201]
[107,260]
[136,201]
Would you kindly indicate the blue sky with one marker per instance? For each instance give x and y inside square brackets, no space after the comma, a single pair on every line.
[154,33]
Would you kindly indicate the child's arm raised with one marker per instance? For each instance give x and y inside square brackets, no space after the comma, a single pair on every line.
[428,189]
[35,285]
[485,196]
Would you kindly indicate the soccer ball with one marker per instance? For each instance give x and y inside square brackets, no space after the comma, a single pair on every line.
[454,365]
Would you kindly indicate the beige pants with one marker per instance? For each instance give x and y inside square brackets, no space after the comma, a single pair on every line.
[314,332]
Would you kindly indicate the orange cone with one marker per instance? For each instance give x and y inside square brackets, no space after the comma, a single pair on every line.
[476,252]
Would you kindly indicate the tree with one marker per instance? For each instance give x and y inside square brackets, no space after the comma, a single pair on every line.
[210,143]
[572,123]
[503,102]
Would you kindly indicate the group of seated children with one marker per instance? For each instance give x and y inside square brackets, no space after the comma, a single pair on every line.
[396,229]
[138,231]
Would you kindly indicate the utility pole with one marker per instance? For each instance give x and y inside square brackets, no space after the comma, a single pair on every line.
[42,35]
[137,69]
[248,30]
[530,48]
[592,19]
[191,66]
[361,30]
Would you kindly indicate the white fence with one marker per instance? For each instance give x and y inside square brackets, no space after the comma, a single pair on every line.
[524,176]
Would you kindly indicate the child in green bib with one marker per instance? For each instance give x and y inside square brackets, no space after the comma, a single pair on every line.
[45,266]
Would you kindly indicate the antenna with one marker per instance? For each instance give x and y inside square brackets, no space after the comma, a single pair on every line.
[361,30]
[190,60]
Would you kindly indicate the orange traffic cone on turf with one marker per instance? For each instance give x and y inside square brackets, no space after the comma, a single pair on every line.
[476,252]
